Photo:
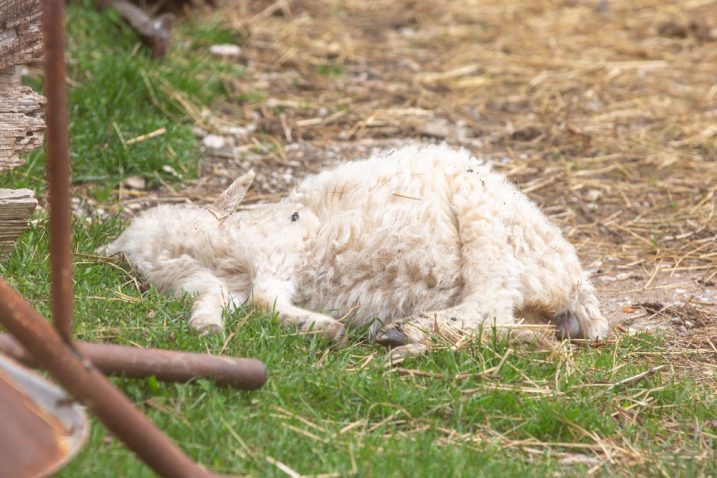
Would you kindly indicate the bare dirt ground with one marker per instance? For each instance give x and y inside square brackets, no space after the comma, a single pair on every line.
[607,118]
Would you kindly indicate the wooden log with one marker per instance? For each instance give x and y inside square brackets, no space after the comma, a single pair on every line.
[20,32]
[16,206]
[21,111]
[21,122]
[156,32]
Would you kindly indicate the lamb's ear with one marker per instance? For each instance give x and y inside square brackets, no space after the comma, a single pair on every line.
[229,200]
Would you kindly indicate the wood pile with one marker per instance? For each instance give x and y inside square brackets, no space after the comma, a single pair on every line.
[21,111]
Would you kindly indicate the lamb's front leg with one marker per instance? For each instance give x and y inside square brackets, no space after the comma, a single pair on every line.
[275,295]
[207,310]
[212,299]
[490,297]
[184,275]
[487,230]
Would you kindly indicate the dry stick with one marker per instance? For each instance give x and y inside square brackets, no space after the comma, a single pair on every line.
[144,137]
[512,388]
[712,345]
[640,376]
[418,373]
[303,420]
[283,467]
[155,31]
[495,370]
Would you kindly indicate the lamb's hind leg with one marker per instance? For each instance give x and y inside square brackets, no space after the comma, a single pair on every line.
[490,298]
[414,335]
[582,318]
[490,270]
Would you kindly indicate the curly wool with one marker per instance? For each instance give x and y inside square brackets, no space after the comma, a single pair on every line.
[411,236]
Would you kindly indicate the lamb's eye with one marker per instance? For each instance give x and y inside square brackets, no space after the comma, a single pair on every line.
[294,217]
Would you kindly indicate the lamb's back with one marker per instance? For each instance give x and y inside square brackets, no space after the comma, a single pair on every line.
[388,243]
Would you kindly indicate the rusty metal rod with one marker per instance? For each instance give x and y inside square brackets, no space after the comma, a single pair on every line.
[165,365]
[86,384]
[58,166]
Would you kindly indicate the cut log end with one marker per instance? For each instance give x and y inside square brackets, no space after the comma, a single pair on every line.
[16,207]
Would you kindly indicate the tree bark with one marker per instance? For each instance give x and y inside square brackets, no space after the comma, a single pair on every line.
[21,121]
[20,32]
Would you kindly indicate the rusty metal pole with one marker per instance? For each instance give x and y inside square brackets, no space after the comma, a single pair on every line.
[165,365]
[52,348]
[58,166]
[86,384]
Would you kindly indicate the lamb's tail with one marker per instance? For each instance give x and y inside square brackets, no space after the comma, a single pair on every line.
[582,318]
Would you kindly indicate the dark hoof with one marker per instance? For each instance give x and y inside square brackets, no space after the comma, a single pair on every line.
[392,338]
[337,333]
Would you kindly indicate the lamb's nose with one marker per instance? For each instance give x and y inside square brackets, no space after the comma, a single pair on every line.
[392,338]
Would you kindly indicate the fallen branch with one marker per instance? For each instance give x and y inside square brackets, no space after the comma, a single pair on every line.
[637,378]
[155,31]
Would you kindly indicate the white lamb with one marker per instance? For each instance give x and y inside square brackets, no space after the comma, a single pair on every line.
[412,243]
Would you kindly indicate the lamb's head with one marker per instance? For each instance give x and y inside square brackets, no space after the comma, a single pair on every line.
[170,232]
[275,216]
[222,255]
[273,236]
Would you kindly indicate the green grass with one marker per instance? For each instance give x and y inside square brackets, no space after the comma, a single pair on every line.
[327,410]
[398,425]
[117,92]
[329,69]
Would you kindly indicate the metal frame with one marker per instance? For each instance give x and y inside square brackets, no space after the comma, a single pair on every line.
[78,365]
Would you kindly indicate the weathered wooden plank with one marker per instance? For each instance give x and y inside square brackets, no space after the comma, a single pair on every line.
[20,32]
[16,207]
[21,123]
